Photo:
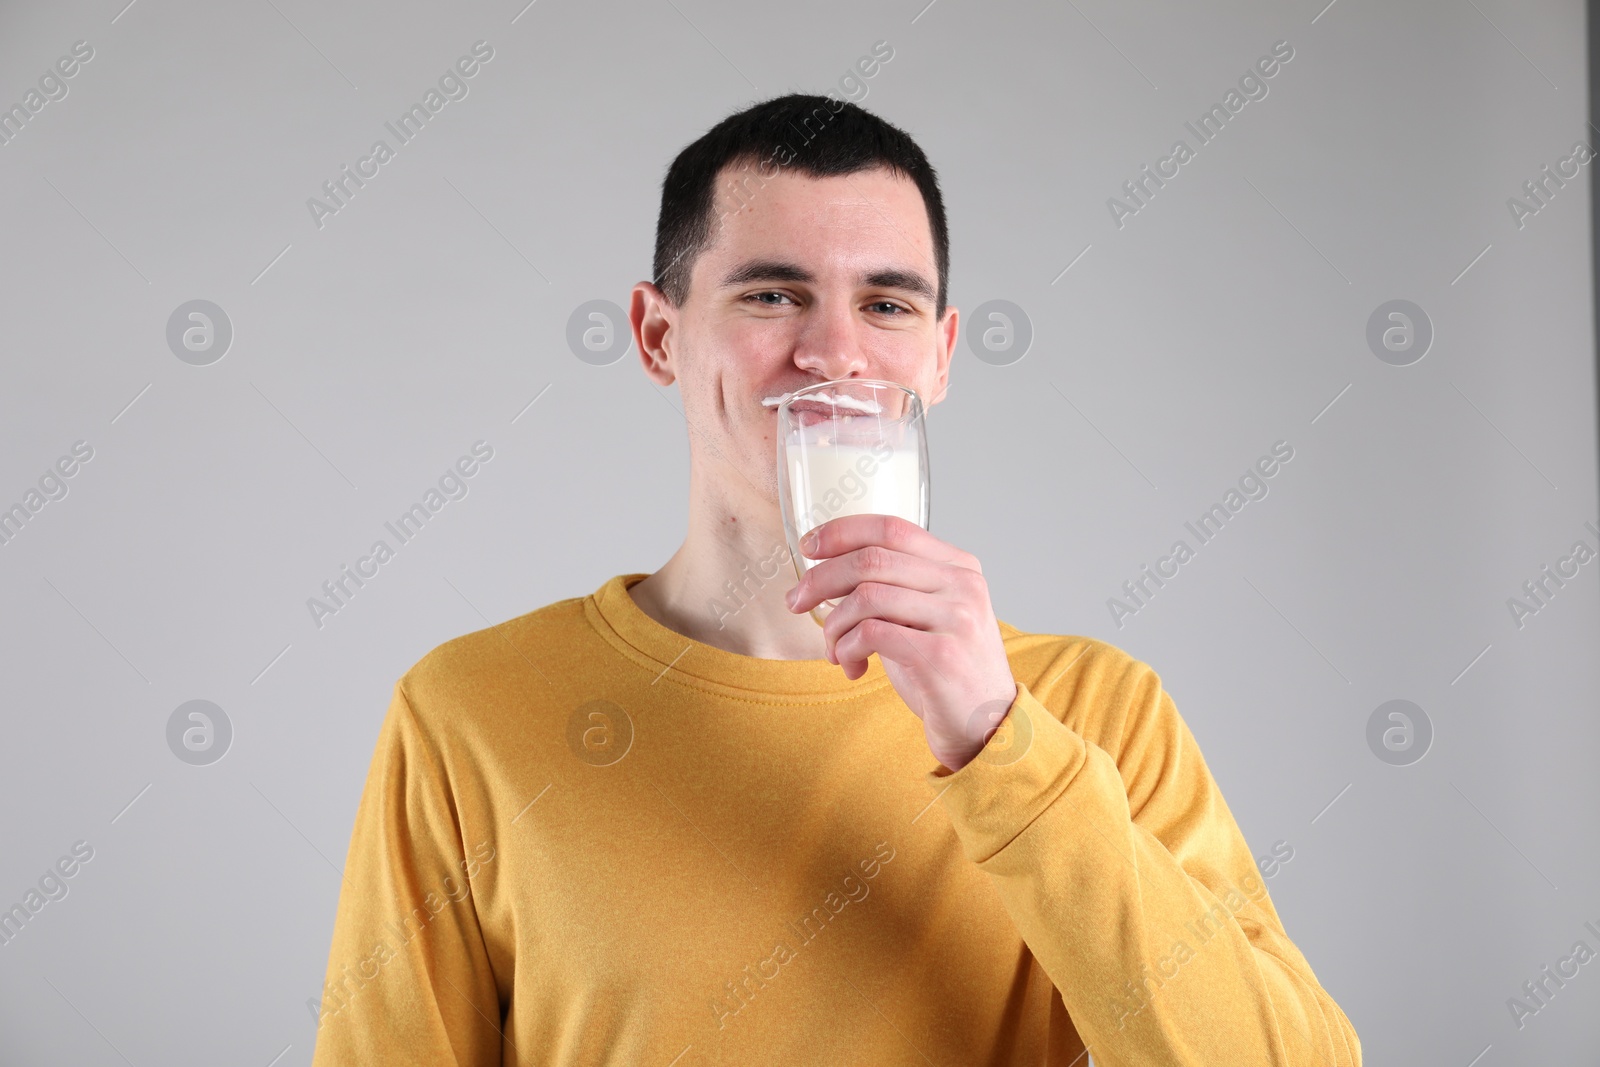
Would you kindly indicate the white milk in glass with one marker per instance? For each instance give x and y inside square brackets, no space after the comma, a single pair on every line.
[829,482]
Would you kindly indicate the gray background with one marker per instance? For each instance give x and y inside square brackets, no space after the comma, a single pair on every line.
[370,353]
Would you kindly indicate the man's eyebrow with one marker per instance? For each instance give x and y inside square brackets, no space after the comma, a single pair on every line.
[908,280]
[766,270]
[775,270]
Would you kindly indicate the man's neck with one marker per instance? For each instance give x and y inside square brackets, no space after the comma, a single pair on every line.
[725,586]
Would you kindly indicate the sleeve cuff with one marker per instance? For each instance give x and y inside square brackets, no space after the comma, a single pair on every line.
[1020,772]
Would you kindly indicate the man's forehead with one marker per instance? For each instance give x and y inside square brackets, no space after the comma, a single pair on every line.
[867,223]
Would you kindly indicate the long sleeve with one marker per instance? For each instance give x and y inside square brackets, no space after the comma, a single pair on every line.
[1129,880]
[408,980]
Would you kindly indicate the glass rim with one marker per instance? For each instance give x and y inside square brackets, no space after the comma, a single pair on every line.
[787,398]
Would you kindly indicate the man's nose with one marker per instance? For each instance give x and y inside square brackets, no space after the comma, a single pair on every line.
[830,345]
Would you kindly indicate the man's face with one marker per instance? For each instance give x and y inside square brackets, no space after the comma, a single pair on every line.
[806,280]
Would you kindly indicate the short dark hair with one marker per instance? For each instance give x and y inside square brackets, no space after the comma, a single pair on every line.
[819,136]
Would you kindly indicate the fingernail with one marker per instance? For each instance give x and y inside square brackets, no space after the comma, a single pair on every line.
[808,543]
[789,597]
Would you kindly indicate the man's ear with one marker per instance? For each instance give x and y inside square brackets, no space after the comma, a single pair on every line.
[947,335]
[653,317]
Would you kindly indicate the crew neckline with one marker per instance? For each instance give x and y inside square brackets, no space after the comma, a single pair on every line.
[681,660]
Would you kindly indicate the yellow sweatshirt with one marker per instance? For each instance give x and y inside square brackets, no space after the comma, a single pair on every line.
[587,839]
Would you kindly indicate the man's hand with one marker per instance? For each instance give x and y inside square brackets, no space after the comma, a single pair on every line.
[923,606]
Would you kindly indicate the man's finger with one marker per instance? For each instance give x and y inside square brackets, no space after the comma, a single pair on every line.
[876,600]
[889,640]
[849,532]
[838,576]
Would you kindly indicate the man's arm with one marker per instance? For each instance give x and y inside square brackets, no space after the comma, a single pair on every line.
[409,980]
[1130,882]
[1116,856]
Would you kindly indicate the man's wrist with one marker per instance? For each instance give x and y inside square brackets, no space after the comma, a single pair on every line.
[981,725]
[956,759]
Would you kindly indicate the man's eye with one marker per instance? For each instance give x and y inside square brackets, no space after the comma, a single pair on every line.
[891,306]
[758,298]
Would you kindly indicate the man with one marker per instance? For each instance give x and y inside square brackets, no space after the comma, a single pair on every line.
[675,822]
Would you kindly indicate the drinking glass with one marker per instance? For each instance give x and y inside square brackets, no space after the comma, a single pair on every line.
[849,447]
